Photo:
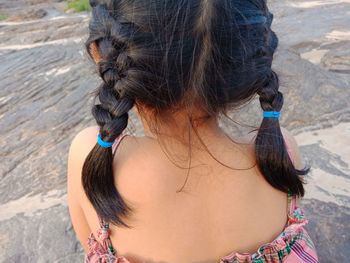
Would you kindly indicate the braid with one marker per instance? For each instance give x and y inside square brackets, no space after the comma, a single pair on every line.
[270,149]
[98,180]
[112,117]
[271,99]
[272,156]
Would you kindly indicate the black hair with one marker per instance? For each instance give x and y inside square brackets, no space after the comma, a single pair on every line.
[171,54]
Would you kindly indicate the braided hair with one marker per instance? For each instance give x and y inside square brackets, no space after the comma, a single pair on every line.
[111,116]
[175,54]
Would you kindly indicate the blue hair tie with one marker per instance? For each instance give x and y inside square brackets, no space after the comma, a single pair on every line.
[102,143]
[271,114]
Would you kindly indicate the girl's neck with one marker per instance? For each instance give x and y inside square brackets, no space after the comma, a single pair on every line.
[179,129]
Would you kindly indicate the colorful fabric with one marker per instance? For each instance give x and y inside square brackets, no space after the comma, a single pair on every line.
[293,245]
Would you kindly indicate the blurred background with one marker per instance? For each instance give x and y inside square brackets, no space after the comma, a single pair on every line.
[45,100]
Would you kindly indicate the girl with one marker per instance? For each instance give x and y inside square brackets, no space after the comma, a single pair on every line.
[186,191]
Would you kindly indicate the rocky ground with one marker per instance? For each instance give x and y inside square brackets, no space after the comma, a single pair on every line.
[46,80]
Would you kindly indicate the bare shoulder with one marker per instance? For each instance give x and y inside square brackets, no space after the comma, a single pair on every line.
[129,151]
[83,142]
[88,134]
[86,139]
[293,148]
[80,147]
[291,144]
[125,150]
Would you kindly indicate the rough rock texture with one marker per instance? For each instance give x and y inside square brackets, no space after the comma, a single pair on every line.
[46,79]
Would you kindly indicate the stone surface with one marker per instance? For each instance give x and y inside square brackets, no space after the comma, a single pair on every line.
[46,81]
[46,235]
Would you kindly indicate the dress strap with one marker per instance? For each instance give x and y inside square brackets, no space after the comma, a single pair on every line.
[101,221]
[104,235]
[119,139]
[292,203]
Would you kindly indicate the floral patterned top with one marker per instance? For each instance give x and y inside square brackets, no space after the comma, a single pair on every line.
[293,245]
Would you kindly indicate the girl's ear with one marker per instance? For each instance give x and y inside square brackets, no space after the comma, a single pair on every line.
[95,53]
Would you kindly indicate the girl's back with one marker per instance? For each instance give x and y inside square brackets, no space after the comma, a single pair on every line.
[219,211]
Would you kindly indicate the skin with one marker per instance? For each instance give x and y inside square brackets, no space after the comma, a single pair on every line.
[219,211]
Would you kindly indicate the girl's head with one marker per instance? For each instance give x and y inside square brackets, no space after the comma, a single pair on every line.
[164,56]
